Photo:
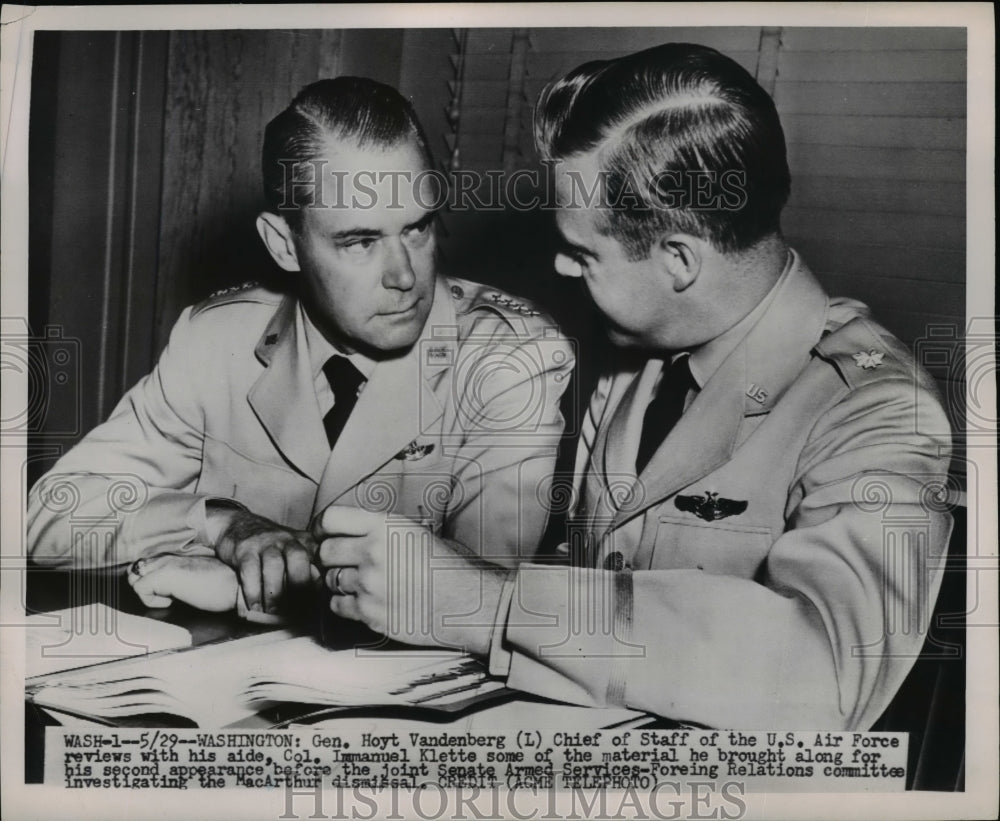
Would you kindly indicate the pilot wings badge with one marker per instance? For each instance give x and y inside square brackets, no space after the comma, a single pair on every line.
[709,507]
[413,451]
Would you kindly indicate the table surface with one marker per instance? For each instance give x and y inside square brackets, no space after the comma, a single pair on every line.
[50,589]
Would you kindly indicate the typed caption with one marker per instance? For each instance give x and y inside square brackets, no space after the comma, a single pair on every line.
[446,758]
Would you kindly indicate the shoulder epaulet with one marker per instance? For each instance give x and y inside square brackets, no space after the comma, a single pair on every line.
[247,292]
[474,296]
[862,351]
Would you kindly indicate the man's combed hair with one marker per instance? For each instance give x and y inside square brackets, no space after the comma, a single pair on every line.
[368,113]
[667,122]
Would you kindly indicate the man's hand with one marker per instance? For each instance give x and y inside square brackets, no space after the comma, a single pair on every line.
[200,581]
[402,581]
[267,557]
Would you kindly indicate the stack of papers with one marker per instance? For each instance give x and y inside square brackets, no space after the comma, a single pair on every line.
[217,685]
[92,634]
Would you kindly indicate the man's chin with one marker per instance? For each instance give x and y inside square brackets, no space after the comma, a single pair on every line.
[394,340]
[620,338]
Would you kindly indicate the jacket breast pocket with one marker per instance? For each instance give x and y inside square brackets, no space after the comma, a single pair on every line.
[421,487]
[715,547]
[269,490]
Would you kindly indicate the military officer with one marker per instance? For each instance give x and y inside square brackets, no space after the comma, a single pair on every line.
[373,382]
[759,531]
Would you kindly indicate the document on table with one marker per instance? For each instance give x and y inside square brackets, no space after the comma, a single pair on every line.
[92,634]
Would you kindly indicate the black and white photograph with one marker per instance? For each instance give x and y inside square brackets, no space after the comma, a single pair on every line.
[578,410]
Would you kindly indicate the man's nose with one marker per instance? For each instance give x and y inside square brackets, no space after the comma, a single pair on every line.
[398,271]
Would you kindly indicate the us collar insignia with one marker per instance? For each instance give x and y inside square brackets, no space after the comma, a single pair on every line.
[413,451]
[709,507]
[868,359]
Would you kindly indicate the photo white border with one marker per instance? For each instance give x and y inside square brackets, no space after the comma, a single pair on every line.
[19,23]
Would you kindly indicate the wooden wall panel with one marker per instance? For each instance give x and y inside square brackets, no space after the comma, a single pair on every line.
[893,165]
[872,39]
[920,262]
[223,88]
[426,77]
[878,98]
[95,150]
[839,193]
[883,130]
[613,42]
[876,131]
[68,237]
[847,65]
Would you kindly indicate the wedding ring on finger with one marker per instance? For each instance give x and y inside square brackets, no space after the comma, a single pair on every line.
[138,567]
[335,587]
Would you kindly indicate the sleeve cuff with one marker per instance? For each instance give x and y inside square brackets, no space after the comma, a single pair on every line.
[198,518]
[500,658]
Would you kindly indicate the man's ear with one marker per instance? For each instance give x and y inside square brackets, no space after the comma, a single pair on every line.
[680,257]
[278,239]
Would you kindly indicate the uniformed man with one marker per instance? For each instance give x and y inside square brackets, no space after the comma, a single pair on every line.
[759,532]
[374,382]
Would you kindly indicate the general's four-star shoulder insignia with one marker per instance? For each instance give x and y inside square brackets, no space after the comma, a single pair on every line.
[234,289]
[512,304]
[868,359]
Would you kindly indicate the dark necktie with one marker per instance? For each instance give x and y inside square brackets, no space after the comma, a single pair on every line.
[345,380]
[665,409]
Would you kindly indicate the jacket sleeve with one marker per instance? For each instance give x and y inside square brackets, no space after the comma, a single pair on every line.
[127,489]
[822,638]
[507,399]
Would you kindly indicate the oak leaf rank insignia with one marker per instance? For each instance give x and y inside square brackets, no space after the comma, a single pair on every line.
[868,359]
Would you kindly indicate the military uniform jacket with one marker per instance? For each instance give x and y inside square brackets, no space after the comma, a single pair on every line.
[458,433]
[776,563]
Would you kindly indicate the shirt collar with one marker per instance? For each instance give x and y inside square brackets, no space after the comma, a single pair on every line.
[706,359]
[320,349]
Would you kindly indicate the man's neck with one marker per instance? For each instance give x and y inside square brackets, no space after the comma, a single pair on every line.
[321,348]
[755,271]
[747,280]
[706,358]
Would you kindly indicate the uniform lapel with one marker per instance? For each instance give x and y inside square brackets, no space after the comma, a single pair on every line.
[283,397]
[617,442]
[769,358]
[396,405]
[622,440]
[701,440]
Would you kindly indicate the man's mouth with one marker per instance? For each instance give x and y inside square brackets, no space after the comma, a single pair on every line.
[402,312]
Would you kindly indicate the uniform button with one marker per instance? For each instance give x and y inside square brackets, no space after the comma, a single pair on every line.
[457,292]
[614,561]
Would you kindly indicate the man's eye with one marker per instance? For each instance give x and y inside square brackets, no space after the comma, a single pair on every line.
[358,246]
[418,233]
[419,229]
